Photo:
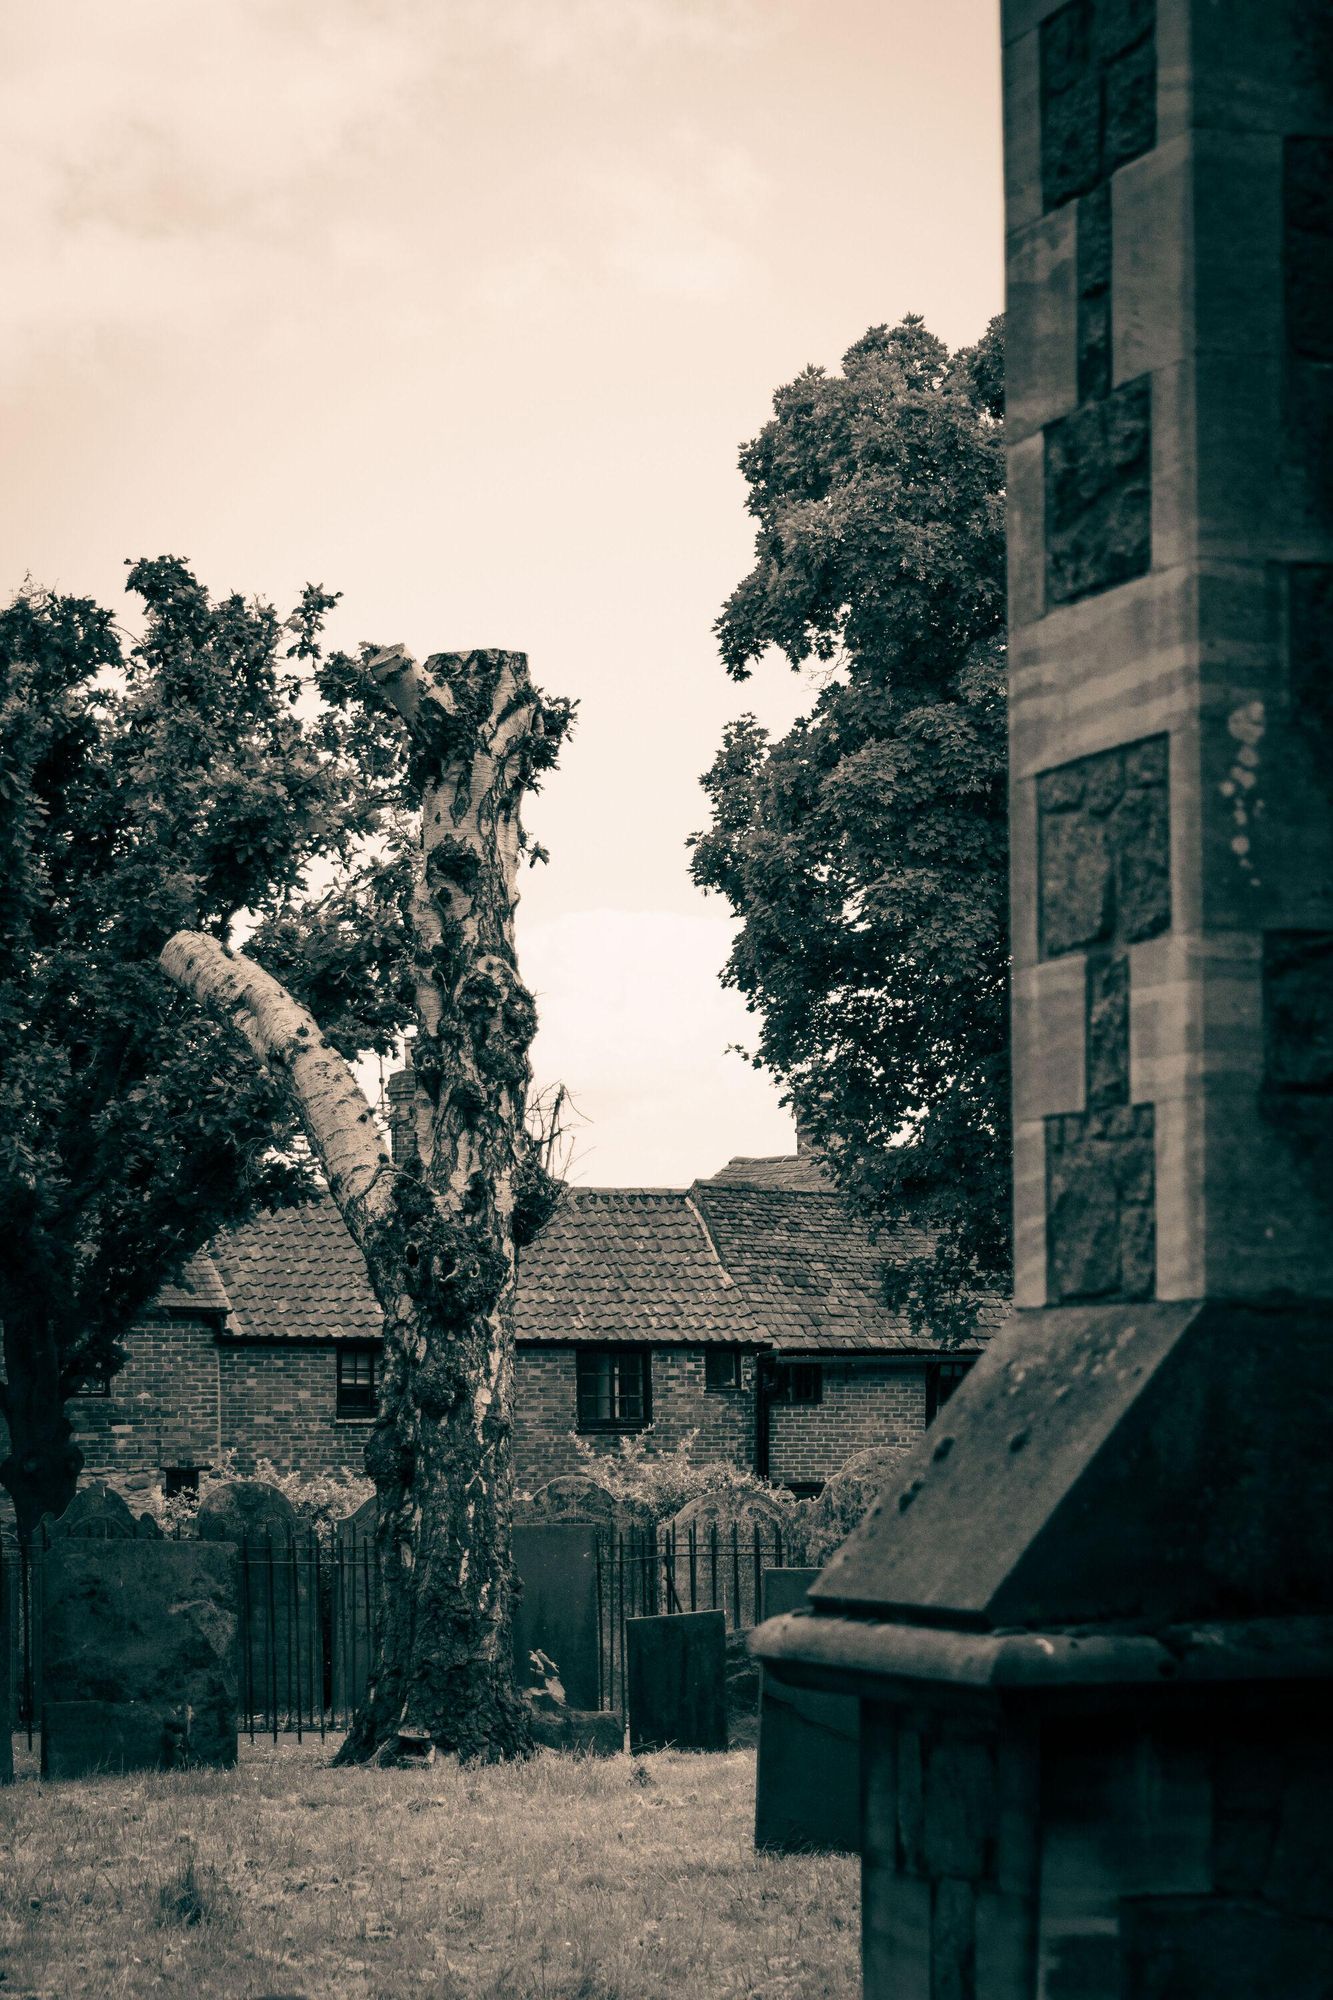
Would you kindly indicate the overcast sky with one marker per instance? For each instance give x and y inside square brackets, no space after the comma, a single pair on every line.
[463,308]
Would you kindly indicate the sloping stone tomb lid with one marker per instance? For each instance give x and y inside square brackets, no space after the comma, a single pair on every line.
[1133,1463]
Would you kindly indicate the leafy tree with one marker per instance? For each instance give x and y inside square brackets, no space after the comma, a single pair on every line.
[189,781]
[439,1230]
[866,851]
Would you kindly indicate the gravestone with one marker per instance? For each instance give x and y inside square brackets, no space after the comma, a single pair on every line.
[827,1521]
[727,1522]
[807,1779]
[281,1640]
[352,1605]
[571,1497]
[95,1510]
[139,1655]
[557,1609]
[676,1671]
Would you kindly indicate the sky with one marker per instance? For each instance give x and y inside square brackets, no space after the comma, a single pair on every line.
[464,308]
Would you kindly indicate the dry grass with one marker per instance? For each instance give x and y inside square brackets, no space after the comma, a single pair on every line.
[561,1879]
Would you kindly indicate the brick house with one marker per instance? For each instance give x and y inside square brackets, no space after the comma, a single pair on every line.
[746,1309]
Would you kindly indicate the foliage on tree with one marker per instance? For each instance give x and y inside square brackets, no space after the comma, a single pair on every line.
[439,1225]
[865,852]
[191,779]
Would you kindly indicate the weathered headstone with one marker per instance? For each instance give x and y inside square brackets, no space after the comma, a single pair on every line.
[139,1656]
[722,1541]
[352,1605]
[281,1639]
[807,1778]
[556,1723]
[96,1510]
[827,1521]
[557,1609]
[676,1670]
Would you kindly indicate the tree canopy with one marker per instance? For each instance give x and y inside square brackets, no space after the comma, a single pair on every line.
[866,852]
[220,775]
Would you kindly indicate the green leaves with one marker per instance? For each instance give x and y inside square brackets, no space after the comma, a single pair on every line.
[866,851]
[201,781]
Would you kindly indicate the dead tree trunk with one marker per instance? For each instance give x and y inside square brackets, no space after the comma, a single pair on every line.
[437,1231]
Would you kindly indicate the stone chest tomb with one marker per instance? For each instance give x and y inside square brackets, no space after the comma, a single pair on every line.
[1092,1628]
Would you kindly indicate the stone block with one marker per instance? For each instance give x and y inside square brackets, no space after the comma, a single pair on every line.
[807,1779]
[1307,245]
[1094,293]
[895,1934]
[953,1941]
[1130,106]
[1212,1948]
[140,1665]
[1098,494]
[676,1682]
[556,1612]
[1107,1029]
[1040,319]
[960,1808]
[1298,1011]
[1104,866]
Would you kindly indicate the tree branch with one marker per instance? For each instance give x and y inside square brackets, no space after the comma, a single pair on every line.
[286,1038]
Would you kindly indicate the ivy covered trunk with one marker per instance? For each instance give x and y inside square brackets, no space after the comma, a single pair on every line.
[438,1230]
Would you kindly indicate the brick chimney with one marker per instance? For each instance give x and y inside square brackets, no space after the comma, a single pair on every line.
[400,1091]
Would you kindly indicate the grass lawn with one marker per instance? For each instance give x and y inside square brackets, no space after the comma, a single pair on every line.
[562,1879]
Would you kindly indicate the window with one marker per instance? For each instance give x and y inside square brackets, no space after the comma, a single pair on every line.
[942,1378]
[97,1382]
[613,1389]
[801,1382]
[722,1368]
[356,1381]
[178,1479]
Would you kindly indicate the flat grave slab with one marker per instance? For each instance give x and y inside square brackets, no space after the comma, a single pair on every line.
[557,1611]
[807,1782]
[140,1656]
[676,1681]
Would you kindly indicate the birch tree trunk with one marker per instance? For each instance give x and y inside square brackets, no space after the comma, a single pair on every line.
[437,1231]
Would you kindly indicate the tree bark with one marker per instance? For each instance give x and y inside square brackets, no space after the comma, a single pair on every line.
[43,1464]
[437,1230]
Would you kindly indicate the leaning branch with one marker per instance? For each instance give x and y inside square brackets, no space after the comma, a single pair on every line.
[285,1037]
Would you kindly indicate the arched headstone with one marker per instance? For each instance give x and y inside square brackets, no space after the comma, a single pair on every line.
[245,1510]
[717,1547]
[96,1510]
[848,1498]
[571,1497]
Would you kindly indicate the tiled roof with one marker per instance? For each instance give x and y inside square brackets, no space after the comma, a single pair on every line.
[814,1278]
[628,1264]
[762,1254]
[199,1289]
[297,1275]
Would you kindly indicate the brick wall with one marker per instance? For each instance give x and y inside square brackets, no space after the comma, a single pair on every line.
[864,1404]
[279,1403]
[163,1407]
[546,1413]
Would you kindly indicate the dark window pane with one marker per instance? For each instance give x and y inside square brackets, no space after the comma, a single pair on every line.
[612,1388]
[804,1382]
[722,1368]
[356,1382]
[942,1378]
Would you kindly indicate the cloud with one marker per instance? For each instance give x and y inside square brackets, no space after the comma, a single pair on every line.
[633,1022]
[167,167]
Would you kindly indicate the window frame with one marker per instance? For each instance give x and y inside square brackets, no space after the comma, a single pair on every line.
[713,1357]
[954,1372]
[811,1375]
[615,1425]
[358,1409]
